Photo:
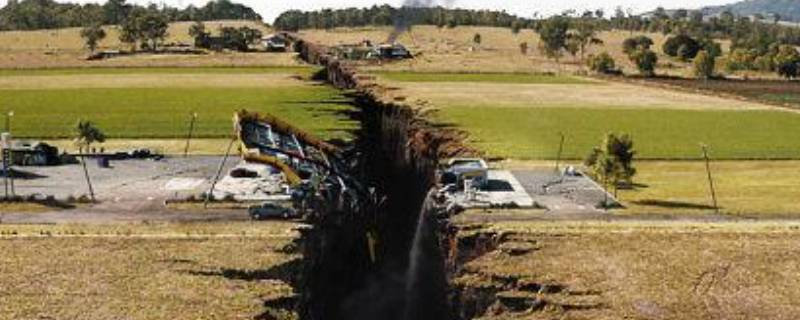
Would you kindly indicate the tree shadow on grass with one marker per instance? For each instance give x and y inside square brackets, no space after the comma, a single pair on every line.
[672,204]
[287,272]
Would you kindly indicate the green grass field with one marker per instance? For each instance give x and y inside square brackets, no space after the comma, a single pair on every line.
[303,71]
[528,78]
[533,133]
[163,110]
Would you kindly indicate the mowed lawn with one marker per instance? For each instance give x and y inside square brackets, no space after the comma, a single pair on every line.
[522,116]
[533,133]
[157,103]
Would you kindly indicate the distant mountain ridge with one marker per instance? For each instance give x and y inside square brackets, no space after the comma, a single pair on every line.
[786,10]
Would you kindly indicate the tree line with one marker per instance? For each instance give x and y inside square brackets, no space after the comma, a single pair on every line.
[386,15]
[49,14]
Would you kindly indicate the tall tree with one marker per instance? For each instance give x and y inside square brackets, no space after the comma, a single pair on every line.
[86,133]
[553,33]
[92,35]
[584,35]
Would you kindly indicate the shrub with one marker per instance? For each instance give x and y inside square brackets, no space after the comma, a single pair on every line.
[645,60]
[601,63]
[704,64]
[681,46]
[631,45]
[786,62]
[740,59]
[764,63]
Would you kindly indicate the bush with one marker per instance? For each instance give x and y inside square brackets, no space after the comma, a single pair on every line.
[602,63]
[786,62]
[704,64]
[681,46]
[645,60]
[631,45]
[764,63]
[740,59]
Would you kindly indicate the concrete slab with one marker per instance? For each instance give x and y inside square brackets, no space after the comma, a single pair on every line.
[562,194]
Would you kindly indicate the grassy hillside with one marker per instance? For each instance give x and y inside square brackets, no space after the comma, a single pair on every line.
[65,48]
[446,49]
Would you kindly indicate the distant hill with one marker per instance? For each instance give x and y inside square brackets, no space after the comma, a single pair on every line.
[787,10]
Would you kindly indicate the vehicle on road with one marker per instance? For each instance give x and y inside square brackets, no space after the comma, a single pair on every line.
[268,211]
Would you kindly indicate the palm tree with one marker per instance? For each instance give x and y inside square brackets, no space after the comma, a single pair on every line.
[87,133]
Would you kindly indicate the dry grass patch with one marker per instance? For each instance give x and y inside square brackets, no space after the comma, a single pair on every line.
[649,271]
[138,277]
[597,94]
[65,48]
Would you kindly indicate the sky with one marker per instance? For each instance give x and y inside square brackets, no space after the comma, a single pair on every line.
[525,8]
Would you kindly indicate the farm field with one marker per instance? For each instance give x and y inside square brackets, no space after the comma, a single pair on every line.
[181,271]
[60,48]
[640,269]
[485,77]
[451,50]
[523,120]
[157,103]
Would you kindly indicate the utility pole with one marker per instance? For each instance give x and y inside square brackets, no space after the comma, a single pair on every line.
[191,131]
[5,165]
[560,149]
[8,120]
[7,158]
[710,179]
[219,173]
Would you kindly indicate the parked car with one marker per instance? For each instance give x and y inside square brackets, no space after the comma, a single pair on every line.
[271,211]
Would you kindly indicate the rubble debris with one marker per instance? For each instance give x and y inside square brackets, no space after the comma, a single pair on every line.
[295,165]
